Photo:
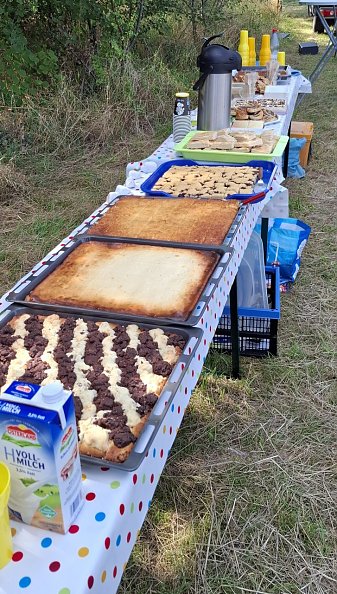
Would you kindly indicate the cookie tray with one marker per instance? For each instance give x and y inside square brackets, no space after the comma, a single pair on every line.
[157,416]
[228,240]
[20,292]
[268,171]
[228,156]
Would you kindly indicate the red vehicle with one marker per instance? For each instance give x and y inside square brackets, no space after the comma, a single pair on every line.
[329,14]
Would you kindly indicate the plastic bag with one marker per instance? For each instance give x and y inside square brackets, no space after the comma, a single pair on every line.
[294,167]
[286,241]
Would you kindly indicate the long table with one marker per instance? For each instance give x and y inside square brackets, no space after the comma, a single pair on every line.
[138,171]
[92,556]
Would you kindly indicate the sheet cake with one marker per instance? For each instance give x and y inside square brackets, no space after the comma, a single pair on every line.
[128,278]
[116,372]
[186,220]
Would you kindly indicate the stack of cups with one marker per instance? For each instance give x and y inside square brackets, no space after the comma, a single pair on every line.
[181,117]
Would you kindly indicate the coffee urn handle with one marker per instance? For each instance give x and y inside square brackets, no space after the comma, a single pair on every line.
[200,82]
[209,39]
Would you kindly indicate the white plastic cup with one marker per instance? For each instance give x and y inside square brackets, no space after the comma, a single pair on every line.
[181,126]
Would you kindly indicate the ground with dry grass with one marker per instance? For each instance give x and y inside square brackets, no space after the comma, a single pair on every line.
[248,497]
[247,502]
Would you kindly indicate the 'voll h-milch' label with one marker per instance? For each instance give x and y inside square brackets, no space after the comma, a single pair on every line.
[44,466]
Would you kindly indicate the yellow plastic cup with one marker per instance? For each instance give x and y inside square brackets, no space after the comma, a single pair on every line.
[265,53]
[252,51]
[6,549]
[243,48]
[281,58]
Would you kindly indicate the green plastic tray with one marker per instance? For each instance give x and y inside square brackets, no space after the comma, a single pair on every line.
[227,156]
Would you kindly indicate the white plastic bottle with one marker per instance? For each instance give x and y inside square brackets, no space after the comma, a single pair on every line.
[274,44]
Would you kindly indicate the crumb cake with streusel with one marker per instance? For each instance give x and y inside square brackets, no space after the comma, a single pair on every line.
[116,372]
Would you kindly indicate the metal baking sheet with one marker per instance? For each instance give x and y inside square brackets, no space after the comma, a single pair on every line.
[226,242]
[225,253]
[157,415]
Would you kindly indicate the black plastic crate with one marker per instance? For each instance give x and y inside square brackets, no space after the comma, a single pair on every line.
[257,327]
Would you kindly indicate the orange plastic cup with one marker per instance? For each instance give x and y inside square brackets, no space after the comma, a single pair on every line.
[6,549]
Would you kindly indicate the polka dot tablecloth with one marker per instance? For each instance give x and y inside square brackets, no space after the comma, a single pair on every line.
[92,556]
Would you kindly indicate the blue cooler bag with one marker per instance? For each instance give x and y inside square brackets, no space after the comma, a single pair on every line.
[286,241]
[295,169]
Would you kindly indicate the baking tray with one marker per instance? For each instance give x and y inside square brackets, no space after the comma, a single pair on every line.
[228,240]
[225,253]
[225,157]
[158,413]
[268,168]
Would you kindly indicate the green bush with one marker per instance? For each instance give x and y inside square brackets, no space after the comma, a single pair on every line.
[91,41]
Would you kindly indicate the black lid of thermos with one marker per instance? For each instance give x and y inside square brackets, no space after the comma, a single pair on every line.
[216,59]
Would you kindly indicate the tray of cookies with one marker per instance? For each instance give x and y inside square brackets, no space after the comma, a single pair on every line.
[134,279]
[124,377]
[185,177]
[232,146]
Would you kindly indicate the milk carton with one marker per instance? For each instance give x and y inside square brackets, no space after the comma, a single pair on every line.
[38,442]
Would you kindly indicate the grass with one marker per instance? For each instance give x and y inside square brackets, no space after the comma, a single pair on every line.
[247,500]
[248,495]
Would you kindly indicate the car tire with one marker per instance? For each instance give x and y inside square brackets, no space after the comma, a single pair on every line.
[317,25]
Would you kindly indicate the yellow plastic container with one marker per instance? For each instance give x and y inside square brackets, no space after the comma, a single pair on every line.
[243,48]
[303,130]
[252,51]
[265,52]
[281,58]
[6,549]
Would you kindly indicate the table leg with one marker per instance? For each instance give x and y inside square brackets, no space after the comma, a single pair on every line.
[327,29]
[329,51]
[264,237]
[286,154]
[235,330]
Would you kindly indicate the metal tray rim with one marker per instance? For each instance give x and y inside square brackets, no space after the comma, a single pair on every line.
[191,320]
[135,459]
[237,221]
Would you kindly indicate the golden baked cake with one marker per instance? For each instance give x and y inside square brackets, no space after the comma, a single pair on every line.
[186,220]
[131,279]
[116,372]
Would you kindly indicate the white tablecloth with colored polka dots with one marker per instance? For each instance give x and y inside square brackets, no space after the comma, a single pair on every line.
[91,557]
